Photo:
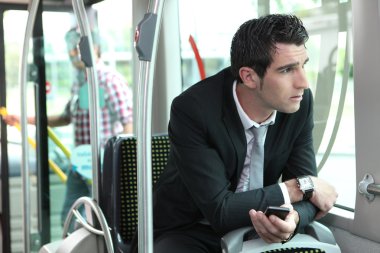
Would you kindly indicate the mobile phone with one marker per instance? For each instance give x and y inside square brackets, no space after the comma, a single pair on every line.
[279,211]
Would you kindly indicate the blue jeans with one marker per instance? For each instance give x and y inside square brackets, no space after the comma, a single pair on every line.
[76,187]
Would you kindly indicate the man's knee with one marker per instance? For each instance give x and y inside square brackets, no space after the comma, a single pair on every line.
[187,242]
[177,243]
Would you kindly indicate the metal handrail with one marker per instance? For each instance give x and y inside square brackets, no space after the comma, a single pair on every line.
[146,41]
[32,11]
[94,207]
[87,54]
[368,187]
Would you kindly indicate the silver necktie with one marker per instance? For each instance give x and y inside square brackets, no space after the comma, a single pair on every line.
[256,174]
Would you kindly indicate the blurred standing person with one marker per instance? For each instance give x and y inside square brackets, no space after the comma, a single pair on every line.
[116,104]
[115,99]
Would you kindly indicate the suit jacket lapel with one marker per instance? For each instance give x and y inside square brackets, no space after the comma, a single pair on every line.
[271,137]
[233,124]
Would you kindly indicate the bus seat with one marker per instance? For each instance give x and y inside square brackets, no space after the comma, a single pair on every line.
[118,200]
[317,238]
[80,241]
[118,184]
[86,236]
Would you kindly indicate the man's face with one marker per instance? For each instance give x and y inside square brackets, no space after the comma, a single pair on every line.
[284,82]
[72,39]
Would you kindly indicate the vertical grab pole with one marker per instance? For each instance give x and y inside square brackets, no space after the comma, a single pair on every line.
[87,56]
[146,41]
[86,47]
[32,9]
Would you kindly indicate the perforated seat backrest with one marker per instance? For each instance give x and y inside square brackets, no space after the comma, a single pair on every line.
[118,191]
[296,250]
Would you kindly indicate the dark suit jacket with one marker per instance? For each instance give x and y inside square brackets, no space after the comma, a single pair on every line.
[208,148]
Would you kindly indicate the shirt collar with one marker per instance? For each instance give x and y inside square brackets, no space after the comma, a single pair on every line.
[247,122]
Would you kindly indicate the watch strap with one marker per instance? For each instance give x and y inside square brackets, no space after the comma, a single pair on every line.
[308,194]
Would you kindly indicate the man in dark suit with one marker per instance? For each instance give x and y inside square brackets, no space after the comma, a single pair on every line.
[205,190]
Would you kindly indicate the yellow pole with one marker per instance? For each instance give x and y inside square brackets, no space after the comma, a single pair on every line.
[32,143]
[54,138]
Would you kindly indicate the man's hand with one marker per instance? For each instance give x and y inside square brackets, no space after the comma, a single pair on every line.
[272,229]
[324,196]
[12,120]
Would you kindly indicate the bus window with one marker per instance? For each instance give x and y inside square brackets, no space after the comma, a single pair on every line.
[59,76]
[117,39]
[212,35]
[14,28]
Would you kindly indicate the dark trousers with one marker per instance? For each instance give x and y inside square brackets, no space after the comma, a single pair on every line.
[197,239]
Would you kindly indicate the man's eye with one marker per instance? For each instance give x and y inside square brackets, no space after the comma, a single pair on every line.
[287,70]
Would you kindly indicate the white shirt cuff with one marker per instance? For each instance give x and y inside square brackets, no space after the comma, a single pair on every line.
[285,193]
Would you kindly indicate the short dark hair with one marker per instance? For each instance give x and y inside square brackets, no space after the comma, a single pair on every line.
[254,43]
[72,38]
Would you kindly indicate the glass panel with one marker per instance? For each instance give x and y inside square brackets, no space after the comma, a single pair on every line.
[329,69]
[116,52]
[59,79]
[212,35]
[117,40]
[336,154]
[280,6]
[330,75]
[14,31]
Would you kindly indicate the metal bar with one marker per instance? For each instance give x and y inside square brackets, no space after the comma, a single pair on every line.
[147,34]
[93,206]
[368,188]
[373,189]
[4,175]
[43,161]
[93,91]
[87,53]
[32,8]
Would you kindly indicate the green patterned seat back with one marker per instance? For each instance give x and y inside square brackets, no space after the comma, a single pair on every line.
[128,179]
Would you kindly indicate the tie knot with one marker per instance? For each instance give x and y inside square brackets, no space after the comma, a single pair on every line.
[259,133]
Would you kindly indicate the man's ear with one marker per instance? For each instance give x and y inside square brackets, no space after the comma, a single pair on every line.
[249,77]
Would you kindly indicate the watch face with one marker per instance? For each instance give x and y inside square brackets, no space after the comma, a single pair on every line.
[305,183]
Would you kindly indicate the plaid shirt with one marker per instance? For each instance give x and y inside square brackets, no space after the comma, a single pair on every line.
[116,111]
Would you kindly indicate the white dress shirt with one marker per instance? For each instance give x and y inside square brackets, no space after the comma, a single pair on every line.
[243,184]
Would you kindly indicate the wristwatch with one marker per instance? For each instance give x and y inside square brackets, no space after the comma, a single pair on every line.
[306,186]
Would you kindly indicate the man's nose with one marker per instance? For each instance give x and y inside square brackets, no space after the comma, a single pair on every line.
[301,81]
